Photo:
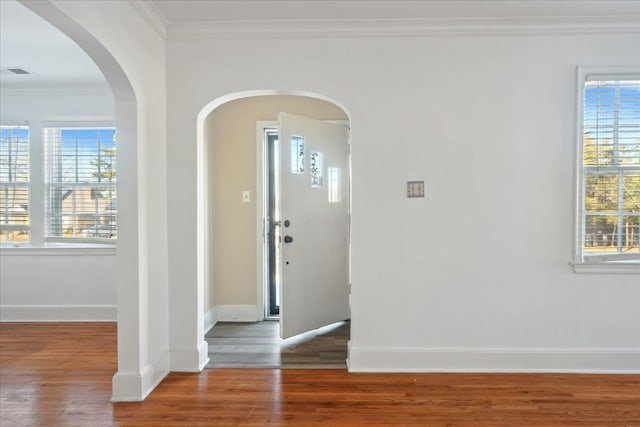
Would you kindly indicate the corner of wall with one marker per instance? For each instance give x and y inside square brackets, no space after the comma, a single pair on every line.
[190,359]
[135,387]
[210,319]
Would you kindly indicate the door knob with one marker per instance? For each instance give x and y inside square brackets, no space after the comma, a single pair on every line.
[288,239]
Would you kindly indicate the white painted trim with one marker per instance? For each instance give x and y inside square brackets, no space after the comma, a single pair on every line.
[58,313]
[149,11]
[190,359]
[400,27]
[578,172]
[134,387]
[58,251]
[606,267]
[57,91]
[210,319]
[78,124]
[261,215]
[570,360]
[237,313]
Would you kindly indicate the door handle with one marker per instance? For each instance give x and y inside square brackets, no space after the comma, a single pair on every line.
[288,239]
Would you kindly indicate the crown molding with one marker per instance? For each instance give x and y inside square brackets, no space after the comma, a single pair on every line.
[148,10]
[401,27]
[54,91]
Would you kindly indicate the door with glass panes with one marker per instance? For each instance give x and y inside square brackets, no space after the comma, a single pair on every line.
[314,223]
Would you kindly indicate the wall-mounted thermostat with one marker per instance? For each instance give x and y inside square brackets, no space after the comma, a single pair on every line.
[415,189]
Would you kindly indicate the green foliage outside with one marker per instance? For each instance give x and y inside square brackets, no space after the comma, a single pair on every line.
[612,196]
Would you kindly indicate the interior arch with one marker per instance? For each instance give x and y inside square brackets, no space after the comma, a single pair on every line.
[248,108]
[129,348]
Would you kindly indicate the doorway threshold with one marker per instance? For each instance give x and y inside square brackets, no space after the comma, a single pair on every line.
[258,345]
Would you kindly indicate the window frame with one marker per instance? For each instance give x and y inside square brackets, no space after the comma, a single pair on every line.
[46,164]
[38,243]
[619,263]
[21,184]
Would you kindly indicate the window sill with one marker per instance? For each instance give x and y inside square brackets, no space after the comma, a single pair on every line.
[618,267]
[59,249]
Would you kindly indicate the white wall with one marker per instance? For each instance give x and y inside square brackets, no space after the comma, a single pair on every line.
[475,276]
[55,285]
[68,284]
[487,121]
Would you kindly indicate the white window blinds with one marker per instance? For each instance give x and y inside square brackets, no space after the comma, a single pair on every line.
[14,183]
[611,168]
[80,183]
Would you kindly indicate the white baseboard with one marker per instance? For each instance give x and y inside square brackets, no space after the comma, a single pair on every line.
[399,359]
[237,313]
[135,387]
[58,313]
[210,319]
[190,359]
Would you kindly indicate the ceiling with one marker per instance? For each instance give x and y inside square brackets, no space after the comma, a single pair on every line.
[192,11]
[53,59]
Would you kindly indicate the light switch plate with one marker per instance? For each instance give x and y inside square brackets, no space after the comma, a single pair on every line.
[415,189]
[246,196]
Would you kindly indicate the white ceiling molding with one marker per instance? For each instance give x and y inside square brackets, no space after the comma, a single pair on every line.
[191,11]
[402,27]
[55,91]
[151,14]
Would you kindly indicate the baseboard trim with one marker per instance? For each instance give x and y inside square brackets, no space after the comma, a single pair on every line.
[135,387]
[210,319]
[190,359]
[58,313]
[538,360]
[236,313]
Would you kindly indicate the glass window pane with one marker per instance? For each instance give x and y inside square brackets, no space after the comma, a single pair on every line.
[14,183]
[611,160]
[631,192]
[630,233]
[81,170]
[315,168]
[601,193]
[600,233]
[14,154]
[334,184]
[297,154]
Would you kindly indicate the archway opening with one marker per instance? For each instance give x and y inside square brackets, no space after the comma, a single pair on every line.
[126,123]
[233,268]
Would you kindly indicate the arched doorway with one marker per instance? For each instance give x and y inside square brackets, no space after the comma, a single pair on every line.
[232,197]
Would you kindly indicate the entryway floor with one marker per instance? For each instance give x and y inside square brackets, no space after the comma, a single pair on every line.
[258,345]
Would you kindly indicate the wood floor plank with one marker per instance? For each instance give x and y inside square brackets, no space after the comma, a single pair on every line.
[54,374]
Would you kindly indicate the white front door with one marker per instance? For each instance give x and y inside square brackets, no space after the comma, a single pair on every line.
[314,209]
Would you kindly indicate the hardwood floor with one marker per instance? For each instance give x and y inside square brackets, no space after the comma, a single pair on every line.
[258,345]
[59,374]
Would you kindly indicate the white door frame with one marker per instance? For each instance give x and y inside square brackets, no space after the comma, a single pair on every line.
[261,215]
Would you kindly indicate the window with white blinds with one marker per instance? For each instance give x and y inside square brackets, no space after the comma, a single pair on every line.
[80,168]
[611,168]
[14,184]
